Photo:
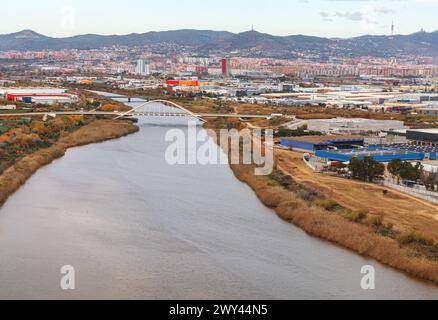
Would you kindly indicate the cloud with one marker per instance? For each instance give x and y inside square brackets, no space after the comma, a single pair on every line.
[366,16]
[353,16]
[383,10]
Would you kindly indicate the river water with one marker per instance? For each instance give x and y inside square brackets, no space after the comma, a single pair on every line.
[134,227]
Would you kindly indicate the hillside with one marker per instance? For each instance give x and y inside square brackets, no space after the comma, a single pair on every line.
[204,41]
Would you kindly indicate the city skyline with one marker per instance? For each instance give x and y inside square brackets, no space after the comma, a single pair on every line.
[326,18]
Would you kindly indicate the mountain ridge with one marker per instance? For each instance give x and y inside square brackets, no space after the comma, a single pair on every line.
[419,43]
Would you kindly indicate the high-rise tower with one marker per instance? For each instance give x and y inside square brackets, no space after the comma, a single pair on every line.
[226,68]
[142,68]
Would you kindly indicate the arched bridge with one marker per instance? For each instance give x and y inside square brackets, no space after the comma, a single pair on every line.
[179,111]
[152,108]
[175,109]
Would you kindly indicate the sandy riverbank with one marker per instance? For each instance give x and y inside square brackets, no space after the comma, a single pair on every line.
[97,131]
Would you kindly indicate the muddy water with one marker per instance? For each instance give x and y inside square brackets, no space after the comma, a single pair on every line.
[134,227]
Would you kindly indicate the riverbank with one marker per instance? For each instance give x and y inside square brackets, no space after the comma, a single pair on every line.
[96,131]
[324,224]
[315,211]
[403,211]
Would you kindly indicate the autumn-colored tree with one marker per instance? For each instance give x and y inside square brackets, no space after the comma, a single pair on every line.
[4,138]
[110,107]
[39,128]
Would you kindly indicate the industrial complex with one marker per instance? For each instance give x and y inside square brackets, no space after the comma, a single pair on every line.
[356,125]
[37,95]
[421,145]
[380,154]
[316,143]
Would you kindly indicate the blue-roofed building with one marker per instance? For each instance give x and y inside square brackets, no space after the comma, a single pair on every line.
[380,154]
[315,143]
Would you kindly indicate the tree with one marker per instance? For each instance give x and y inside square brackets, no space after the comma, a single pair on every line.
[411,172]
[405,170]
[394,168]
[430,180]
[367,169]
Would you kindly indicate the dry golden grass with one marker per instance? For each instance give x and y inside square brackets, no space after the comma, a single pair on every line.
[319,222]
[405,212]
[352,226]
[203,106]
[14,177]
[274,123]
[242,108]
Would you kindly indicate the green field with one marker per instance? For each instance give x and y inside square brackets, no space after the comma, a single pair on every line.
[13,111]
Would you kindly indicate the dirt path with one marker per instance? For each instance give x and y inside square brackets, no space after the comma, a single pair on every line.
[404,211]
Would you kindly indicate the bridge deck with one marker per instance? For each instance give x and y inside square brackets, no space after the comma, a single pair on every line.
[180,111]
[134,114]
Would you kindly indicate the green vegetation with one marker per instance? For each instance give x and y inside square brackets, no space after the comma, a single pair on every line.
[376,221]
[332,206]
[420,242]
[367,169]
[314,198]
[327,204]
[405,170]
[415,238]
[430,180]
[17,173]
[423,245]
[353,216]
[287,182]
[19,138]
[14,111]
[362,217]
[358,230]
[283,132]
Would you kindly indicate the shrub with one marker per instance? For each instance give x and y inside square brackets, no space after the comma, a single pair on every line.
[415,237]
[374,220]
[353,216]
[327,204]
[286,181]
[276,176]
[306,194]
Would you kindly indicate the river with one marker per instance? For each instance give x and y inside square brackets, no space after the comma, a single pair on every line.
[134,227]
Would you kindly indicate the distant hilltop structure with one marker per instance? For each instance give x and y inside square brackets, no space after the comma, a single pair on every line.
[392,28]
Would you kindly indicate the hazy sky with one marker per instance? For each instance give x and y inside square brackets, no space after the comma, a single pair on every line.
[332,18]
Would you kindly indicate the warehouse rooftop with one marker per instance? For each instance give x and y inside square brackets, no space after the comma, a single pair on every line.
[432,130]
[326,139]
